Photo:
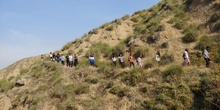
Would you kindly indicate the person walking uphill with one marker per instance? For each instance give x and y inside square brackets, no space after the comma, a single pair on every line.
[75,60]
[131,60]
[186,57]
[120,59]
[114,60]
[206,56]
[67,60]
[92,60]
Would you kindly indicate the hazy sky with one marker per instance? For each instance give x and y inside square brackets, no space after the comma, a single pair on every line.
[34,27]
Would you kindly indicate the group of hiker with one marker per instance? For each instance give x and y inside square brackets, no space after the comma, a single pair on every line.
[71,61]
[67,60]
[205,55]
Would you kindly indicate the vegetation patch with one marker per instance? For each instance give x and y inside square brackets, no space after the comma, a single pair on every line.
[190,37]
[166,59]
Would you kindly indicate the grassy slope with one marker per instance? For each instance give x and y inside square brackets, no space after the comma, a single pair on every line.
[167,85]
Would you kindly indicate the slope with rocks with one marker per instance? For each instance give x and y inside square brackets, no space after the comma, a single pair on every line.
[170,27]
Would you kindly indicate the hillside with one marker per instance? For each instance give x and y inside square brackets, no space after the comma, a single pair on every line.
[171,26]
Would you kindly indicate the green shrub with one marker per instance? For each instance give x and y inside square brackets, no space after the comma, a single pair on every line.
[148,65]
[109,28]
[6,85]
[23,71]
[217,26]
[173,70]
[118,21]
[161,28]
[99,48]
[92,80]
[180,25]
[166,59]
[190,37]
[141,51]
[125,17]
[135,19]
[94,31]
[216,38]
[81,89]
[203,42]
[121,92]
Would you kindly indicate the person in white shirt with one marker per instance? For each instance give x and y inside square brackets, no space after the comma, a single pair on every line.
[186,57]
[114,59]
[206,56]
[70,60]
[158,56]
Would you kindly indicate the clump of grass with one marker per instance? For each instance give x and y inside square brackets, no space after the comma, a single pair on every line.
[161,27]
[214,17]
[148,65]
[217,26]
[109,28]
[23,71]
[118,21]
[94,31]
[99,49]
[166,59]
[190,37]
[180,25]
[135,19]
[173,70]
[216,38]
[92,80]
[6,85]
[203,42]
[81,89]
[67,46]
[121,92]
[143,51]
[125,17]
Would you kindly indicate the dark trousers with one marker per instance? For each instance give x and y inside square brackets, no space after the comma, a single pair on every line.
[122,64]
[207,60]
[114,63]
[131,64]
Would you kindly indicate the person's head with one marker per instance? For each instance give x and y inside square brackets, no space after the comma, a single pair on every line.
[186,49]
[130,54]
[207,47]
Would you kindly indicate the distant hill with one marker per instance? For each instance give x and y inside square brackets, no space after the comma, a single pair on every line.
[170,27]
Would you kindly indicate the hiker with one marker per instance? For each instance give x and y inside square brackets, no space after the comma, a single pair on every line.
[67,60]
[51,56]
[70,60]
[75,60]
[58,57]
[114,60]
[206,56]
[130,59]
[42,57]
[139,61]
[120,59]
[92,60]
[62,59]
[54,57]
[158,56]
[186,57]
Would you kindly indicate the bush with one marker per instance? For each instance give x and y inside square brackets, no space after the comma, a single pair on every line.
[5,85]
[94,31]
[148,65]
[203,42]
[214,17]
[153,38]
[67,46]
[179,25]
[161,28]
[109,28]
[173,70]
[125,17]
[217,26]
[216,38]
[121,92]
[135,19]
[166,59]
[92,80]
[164,45]
[190,37]
[141,51]
[81,89]
[98,49]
